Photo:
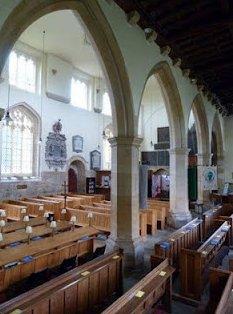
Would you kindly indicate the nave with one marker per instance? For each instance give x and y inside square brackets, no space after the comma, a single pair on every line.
[116,173]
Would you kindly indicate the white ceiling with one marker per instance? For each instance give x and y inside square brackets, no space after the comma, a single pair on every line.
[65,38]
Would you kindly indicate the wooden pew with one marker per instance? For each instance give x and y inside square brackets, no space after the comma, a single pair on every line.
[185,237]
[161,204]
[229,219]
[46,253]
[73,202]
[49,206]
[17,225]
[193,282]
[77,291]
[95,209]
[20,235]
[61,201]
[209,218]
[13,212]
[102,221]
[33,209]
[220,293]
[102,205]
[142,297]
[90,198]
[161,213]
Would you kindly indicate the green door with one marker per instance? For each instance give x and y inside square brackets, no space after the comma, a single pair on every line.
[192,183]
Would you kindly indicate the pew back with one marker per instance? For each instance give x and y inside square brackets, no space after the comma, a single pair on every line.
[142,297]
[77,291]
[192,282]
[185,237]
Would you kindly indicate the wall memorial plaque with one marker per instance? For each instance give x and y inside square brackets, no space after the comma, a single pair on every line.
[77,142]
[95,160]
[55,148]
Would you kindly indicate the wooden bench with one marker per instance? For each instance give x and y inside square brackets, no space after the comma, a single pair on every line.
[185,237]
[77,291]
[151,219]
[95,209]
[33,209]
[17,225]
[49,206]
[90,198]
[60,200]
[13,212]
[209,218]
[143,297]
[193,282]
[76,201]
[152,203]
[45,253]
[220,293]
[102,221]
[102,205]
[20,235]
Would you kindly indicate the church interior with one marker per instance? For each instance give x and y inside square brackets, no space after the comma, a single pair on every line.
[116,149]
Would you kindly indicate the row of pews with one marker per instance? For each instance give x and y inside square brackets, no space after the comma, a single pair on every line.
[93,286]
[88,209]
[196,251]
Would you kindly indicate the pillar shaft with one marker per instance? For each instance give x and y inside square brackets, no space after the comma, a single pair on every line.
[202,161]
[179,203]
[143,186]
[125,199]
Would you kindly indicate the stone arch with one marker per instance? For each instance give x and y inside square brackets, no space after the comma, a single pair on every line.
[102,37]
[172,101]
[201,122]
[217,129]
[78,165]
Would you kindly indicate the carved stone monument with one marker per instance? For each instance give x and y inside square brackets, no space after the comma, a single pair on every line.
[55,149]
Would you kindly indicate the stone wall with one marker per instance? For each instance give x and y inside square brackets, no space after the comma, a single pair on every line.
[50,182]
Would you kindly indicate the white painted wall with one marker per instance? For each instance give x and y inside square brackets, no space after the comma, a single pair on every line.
[75,121]
[152,114]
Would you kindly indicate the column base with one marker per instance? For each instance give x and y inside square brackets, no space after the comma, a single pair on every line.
[133,251]
[177,220]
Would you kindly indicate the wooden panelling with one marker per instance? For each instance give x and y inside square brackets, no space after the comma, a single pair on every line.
[76,291]
[153,287]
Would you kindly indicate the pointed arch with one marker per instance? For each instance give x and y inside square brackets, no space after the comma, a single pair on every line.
[201,122]
[172,100]
[217,129]
[103,39]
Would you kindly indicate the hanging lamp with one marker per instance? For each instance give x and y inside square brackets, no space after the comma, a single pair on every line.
[7,120]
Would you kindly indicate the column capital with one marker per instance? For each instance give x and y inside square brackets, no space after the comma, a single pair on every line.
[125,141]
[179,151]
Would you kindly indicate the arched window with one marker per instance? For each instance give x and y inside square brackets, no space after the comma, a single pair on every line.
[79,94]
[22,71]
[19,144]
[107,153]
[107,110]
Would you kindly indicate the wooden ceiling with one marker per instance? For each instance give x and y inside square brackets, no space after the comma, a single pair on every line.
[200,32]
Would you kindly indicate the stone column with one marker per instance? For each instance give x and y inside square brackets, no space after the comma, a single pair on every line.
[202,161]
[179,203]
[220,170]
[125,200]
[143,186]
